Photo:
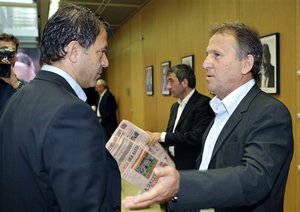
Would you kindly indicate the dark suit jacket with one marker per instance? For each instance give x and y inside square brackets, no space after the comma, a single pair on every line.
[6,91]
[52,152]
[250,161]
[108,109]
[193,122]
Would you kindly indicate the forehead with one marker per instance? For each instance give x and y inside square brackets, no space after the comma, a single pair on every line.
[8,44]
[101,40]
[171,75]
[222,41]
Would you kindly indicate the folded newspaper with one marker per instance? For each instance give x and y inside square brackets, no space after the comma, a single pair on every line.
[136,159]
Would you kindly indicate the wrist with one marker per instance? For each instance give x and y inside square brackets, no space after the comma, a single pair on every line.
[18,85]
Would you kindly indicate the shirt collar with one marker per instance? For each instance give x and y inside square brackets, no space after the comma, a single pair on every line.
[186,99]
[231,101]
[75,86]
[102,94]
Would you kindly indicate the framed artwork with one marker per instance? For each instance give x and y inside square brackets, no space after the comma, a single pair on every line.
[149,81]
[269,77]
[164,69]
[188,60]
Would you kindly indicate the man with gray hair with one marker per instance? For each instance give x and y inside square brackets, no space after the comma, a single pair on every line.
[106,108]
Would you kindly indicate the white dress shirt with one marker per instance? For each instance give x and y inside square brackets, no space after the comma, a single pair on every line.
[223,110]
[182,104]
[98,106]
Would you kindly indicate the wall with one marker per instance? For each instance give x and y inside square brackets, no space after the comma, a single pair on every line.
[170,29]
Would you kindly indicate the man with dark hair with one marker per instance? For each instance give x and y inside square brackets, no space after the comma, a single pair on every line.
[52,150]
[248,147]
[189,118]
[8,81]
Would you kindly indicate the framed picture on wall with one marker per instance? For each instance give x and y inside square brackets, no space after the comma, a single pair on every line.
[269,77]
[188,60]
[164,69]
[149,81]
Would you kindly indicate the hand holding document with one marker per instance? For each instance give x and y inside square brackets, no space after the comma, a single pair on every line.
[135,157]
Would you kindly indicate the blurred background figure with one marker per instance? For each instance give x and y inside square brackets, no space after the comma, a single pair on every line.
[106,108]
[24,67]
[8,80]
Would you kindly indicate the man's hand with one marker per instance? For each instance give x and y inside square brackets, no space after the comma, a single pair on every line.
[165,189]
[154,137]
[12,80]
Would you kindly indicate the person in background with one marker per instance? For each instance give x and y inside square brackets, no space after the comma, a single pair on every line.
[189,118]
[248,147]
[106,109]
[8,83]
[24,67]
[52,150]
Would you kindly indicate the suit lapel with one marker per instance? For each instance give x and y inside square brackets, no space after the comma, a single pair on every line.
[172,117]
[235,118]
[187,109]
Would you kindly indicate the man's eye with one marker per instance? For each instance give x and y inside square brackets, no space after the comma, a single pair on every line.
[216,54]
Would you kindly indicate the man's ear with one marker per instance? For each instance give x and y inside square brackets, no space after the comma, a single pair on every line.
[185,83]
[73,51]
[248,62]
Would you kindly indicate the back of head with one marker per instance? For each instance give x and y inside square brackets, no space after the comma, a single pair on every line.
[248,42]
[69,23]
[183,71]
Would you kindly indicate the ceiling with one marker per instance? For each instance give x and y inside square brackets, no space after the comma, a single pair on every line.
[115,12]
[26,18]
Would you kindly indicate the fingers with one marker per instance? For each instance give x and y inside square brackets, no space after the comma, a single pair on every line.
[154,138]
[142,200]
[130,204]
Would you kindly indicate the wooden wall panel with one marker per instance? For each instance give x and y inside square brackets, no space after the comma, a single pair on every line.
[297,97]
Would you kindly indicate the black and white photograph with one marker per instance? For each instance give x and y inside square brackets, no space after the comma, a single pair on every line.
[188,60]
[149,81]
[165,66]
[269,73]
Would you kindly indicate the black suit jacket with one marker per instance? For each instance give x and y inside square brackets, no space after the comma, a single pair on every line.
[52,152]
[250,162]
[193,122]
[108,109]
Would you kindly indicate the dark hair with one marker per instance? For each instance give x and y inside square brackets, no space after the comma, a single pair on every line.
[10,38]
[248,42]
[183,71]
[69,23]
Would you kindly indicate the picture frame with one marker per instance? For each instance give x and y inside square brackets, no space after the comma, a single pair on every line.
[269,78]
[165,66]
[149,81]
[188,60]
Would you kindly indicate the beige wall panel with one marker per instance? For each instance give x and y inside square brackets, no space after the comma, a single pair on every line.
[149,45]
[297,135]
